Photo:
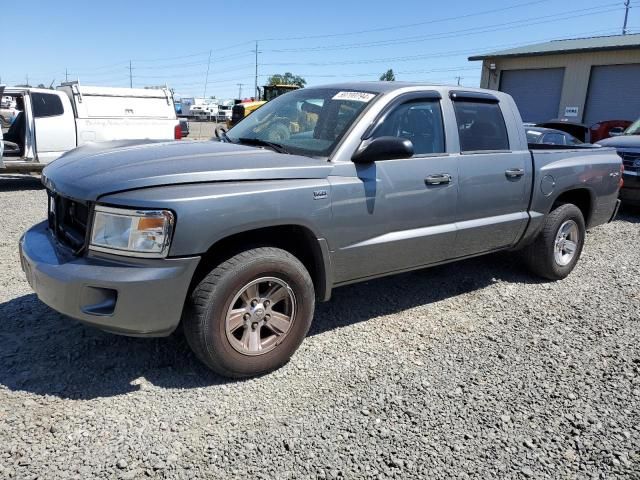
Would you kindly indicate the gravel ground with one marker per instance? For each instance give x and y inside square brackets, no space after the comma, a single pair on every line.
[202,130]
[472,370]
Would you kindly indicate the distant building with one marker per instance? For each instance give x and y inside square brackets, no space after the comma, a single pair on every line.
[585,80]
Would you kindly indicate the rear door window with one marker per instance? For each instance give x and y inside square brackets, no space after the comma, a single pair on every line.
[481,126]
[46,105]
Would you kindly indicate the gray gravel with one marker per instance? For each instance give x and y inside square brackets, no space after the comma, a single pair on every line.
[471,370]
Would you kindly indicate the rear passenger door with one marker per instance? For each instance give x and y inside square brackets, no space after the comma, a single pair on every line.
[493,177]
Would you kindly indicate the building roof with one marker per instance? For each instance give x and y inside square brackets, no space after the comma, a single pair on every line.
[574,45]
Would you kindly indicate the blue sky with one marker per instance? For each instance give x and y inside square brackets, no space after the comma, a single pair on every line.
[326,41]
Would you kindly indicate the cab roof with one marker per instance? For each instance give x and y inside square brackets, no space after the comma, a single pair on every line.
[386,87]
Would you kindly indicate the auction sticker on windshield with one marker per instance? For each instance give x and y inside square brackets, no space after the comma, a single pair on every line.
[354,96]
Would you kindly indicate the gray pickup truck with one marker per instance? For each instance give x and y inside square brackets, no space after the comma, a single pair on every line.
[236,239]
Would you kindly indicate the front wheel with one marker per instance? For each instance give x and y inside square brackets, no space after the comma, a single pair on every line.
[251,313]
[556,250]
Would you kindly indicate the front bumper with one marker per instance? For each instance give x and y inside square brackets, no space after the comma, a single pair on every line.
[630,192]
[138,297]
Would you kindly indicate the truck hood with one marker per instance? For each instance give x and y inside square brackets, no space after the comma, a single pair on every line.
[623,141]
[93,170]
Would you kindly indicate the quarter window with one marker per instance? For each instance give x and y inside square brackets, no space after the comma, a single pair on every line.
[420,122]
[46,105]
[480,126]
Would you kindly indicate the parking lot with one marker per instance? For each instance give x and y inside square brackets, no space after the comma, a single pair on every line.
[468,370]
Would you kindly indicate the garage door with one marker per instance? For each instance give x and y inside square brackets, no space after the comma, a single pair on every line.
[536,91]
[613,93]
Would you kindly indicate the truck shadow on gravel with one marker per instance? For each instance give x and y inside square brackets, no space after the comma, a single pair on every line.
[47,354]
[17,183]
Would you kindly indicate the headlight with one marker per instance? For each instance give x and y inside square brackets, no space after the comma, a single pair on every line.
[139,233]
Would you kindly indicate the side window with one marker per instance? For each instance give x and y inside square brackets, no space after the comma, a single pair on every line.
[419,121]
[480,126]
[554,139]
[46,105]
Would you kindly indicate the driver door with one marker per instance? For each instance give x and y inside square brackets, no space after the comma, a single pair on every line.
[395,215]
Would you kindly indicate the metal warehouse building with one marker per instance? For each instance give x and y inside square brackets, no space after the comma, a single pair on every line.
[584,80]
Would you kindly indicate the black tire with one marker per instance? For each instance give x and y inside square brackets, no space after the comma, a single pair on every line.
[207,307]
[540,257]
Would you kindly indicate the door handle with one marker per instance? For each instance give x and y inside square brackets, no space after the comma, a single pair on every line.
[438,179]
[514,172]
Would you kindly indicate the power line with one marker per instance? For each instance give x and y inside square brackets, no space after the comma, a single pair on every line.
[416,57]
[475,30]
[409,25]
[195,74]
[395,27]
[567,15]
[188,64]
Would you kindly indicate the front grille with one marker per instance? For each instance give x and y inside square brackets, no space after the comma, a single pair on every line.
[68,220]
[630,161]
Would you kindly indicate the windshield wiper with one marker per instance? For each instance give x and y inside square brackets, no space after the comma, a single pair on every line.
[258,142]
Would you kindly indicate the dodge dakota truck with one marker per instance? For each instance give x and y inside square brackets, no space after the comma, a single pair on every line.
[235,239]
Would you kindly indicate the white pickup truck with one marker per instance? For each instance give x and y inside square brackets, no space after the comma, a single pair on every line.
[51,122]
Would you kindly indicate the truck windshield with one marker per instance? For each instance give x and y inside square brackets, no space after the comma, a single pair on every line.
[309,121]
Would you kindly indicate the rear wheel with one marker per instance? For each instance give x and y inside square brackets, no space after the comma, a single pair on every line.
[558,246]
[250,314]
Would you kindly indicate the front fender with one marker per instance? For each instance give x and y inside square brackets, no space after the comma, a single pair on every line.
[209,212]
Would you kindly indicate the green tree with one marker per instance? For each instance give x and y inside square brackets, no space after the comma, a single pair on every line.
[287,78]
[388,76]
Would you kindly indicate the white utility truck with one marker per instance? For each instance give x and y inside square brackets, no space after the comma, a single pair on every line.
[51,122]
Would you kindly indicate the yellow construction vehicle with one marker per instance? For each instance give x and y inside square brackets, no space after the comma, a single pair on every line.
[268,93]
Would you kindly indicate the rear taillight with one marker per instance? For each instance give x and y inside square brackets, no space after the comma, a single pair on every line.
[177,132]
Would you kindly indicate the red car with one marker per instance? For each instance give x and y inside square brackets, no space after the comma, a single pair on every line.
[603,130]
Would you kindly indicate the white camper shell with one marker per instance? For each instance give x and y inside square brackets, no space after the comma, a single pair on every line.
[55,121]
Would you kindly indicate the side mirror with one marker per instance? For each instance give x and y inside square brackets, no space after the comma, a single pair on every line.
[383,148]
[616,131]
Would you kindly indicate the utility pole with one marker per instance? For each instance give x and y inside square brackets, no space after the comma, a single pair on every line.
[626,16]
[130,75]
[257,96]
[458,79]
[27,76]
[240,90]
[66,75]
